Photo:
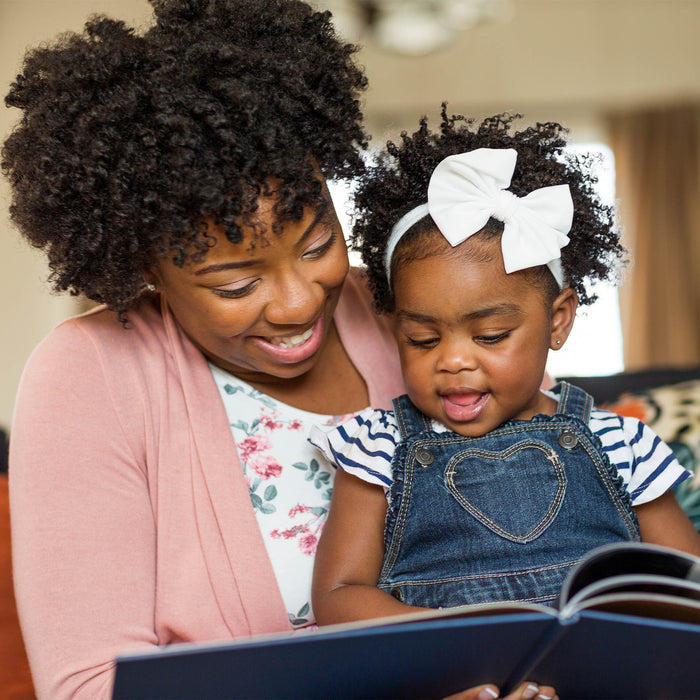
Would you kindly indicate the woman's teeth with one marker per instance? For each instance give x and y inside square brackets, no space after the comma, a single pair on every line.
[292,341]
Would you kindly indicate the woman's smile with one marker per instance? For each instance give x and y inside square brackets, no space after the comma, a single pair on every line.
[291,349]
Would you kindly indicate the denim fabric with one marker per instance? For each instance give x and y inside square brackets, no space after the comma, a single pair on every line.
[503,516]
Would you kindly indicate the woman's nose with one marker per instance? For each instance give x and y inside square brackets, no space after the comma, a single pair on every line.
[456,355]
[295,300]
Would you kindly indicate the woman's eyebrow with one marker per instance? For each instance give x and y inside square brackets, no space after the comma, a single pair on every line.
[233,265]
[321,215]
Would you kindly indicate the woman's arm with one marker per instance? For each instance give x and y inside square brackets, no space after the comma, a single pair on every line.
[349,556]
[82,523]
[662,521]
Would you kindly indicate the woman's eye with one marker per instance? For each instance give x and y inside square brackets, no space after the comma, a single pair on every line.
[492,339]
[238,292]
[322,249]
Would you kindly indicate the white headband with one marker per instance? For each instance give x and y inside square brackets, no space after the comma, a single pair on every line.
[467,189]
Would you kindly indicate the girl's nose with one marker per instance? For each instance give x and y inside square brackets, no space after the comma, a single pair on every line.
[456,355]
[296,299]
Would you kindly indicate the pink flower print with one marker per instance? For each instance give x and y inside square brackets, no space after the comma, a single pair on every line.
[308,543]
[295,510]
[252,444]
[265,466]
[295,424]
[339,420]
[269,422]
[287,534]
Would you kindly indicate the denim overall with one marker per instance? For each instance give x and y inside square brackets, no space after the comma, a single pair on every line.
[503,516]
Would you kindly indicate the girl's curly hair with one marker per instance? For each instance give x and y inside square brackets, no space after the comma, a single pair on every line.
[128,140]
[398,181]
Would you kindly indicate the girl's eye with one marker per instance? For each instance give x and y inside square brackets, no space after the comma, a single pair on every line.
[238,292]
[423,343]
[322,249]
[492,339]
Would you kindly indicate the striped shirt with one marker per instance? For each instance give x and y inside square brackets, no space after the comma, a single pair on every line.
[364,445]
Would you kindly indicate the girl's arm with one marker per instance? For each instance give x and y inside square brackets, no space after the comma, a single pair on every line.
[349,556]
[662,521]
[655,470]
[348,562]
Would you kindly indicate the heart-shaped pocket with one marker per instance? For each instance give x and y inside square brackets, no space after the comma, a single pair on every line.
[516,492]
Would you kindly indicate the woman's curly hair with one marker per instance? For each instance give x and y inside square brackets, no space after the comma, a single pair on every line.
[398,181]
[128,141]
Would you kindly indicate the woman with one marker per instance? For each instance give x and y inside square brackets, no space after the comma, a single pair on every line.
[162,487]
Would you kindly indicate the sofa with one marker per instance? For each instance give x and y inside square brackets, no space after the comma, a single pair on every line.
[668,400]
[15,679]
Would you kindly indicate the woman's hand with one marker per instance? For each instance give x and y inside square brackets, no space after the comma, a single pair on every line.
[525,691]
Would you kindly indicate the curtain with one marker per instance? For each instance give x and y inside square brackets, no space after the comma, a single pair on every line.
[657,175]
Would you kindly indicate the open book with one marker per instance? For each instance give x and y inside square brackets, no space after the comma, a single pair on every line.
[627,626]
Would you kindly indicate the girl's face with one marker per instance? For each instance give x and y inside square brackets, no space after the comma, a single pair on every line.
[262,308]
[474,340]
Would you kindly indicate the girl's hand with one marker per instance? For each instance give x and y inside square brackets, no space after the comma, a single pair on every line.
[525,691]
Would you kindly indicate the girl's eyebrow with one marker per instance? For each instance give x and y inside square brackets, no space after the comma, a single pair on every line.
[321,215]
[503,309]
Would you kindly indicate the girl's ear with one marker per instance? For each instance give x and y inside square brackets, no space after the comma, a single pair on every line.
[563,315]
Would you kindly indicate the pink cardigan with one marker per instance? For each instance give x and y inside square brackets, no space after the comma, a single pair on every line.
[131,520]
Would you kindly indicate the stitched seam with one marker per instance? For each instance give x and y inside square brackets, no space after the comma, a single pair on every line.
[493,574]
[401,516]
[548,517]
[398,414]
[604,475]
[564,398]
[529,599]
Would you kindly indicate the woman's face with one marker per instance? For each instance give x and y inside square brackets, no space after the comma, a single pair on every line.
[262,308]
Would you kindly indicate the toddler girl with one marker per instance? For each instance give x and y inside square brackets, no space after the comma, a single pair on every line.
[479,486]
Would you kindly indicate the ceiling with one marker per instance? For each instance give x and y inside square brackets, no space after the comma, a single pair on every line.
[574,58]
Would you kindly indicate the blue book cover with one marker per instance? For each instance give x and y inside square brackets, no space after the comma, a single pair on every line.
[628,627]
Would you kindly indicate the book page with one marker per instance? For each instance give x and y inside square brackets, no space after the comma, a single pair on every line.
[633,561]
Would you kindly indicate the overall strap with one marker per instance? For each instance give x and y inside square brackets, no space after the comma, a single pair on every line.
[409,419]
[574,401]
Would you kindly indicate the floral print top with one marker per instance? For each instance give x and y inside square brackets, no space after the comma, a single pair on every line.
[290,483]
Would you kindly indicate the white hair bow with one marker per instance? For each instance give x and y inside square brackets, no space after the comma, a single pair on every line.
[467,189]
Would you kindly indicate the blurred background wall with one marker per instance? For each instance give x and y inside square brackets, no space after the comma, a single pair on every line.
[601,67]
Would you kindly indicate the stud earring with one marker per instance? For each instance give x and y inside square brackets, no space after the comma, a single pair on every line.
[558,341]
[150,287]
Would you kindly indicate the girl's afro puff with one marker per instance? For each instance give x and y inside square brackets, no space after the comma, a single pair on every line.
[128,141]
[398,181]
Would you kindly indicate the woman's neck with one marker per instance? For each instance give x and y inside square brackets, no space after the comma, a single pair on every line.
[333,386]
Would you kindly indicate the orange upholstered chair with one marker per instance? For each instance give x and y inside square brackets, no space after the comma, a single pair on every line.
[15,679]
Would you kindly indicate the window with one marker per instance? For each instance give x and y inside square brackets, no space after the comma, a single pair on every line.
[595,344]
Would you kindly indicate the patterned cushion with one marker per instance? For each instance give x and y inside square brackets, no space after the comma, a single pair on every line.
[673,412]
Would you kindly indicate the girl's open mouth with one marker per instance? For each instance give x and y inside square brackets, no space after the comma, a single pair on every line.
[464,406]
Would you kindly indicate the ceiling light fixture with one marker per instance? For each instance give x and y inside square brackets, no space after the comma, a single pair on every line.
[412,27]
